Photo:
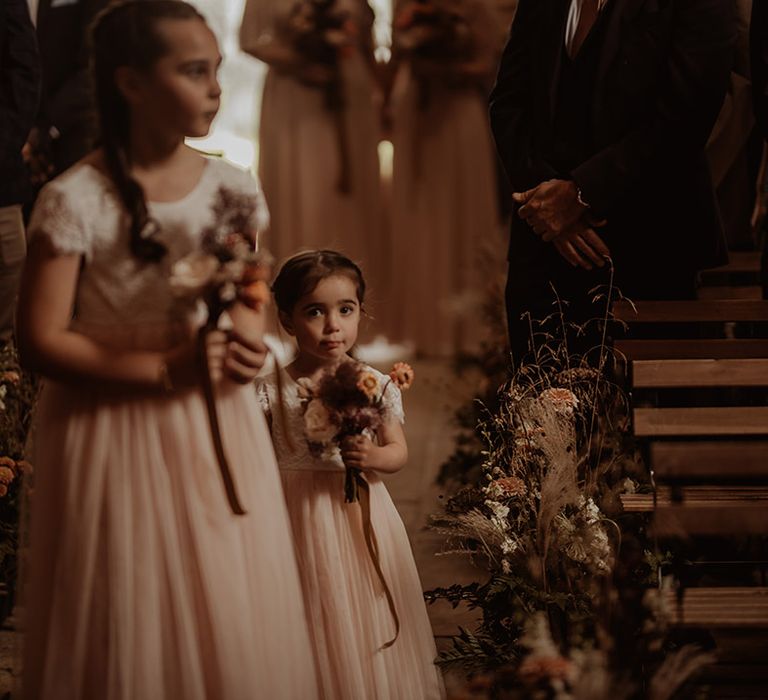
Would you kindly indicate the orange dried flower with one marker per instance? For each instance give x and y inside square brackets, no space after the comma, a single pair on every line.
[3,490]
[255,295]
[402,374]
[23,467]
[7,462]
[11,376]
[7,475]
[511,486]
[368,384]
[539,668]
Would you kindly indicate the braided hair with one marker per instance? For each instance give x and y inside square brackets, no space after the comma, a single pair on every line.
[125,34]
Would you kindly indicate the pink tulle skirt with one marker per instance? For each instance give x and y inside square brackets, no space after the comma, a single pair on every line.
[140,581]
[349,616]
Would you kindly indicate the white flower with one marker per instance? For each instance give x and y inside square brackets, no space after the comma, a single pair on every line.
[506,567]
[500,513]
[192,274]
[509,546]
[317,422]
[3,392]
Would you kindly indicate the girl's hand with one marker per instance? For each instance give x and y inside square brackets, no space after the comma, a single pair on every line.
[229,355]
[358,452]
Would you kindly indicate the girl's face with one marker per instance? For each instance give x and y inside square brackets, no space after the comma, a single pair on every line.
[325,321]
[181,92]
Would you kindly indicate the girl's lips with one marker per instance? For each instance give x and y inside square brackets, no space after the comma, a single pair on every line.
[331,344]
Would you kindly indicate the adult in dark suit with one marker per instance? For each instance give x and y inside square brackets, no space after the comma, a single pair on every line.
[601,111]
[758,45]
[67,122]
[758,37]
[19,92]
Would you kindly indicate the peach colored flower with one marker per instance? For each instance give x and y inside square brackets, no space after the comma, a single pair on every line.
[7,462]
[7,475]
[534,669]
[3,490]
[368,383]
[511,486]
[564,401]
[255,295]
[11,376]
[192,274]
[317,422]
[402,374]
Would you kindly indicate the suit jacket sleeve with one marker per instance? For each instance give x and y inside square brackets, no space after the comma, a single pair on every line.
[19,76]
[512,103]
[687,100]
[759,59]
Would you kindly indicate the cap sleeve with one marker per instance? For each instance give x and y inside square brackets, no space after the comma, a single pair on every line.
[56,219]
[393,401]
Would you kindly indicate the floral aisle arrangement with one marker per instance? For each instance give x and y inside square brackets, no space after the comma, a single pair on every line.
[227,268]
[567,571]
[18,394]
[322,37]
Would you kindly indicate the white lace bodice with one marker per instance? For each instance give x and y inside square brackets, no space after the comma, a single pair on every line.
[293,453]
[80,213]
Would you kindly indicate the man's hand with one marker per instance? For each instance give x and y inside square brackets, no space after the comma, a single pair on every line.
[582,247]
[551,208]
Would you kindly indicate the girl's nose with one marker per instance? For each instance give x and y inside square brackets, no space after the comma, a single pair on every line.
[215,88]
[331,323]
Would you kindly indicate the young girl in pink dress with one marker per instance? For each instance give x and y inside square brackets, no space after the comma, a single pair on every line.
[142,582]
[319,296]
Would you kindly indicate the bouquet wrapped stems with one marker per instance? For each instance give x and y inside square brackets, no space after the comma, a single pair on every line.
[213,416]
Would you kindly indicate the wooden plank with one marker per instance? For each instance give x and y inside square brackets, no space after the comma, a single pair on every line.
[728,459]
[683,422]
[716,348]
[718,607]
[708,496]
[691,311]
[699,373]
[747,291]
[679,521]
[739,261]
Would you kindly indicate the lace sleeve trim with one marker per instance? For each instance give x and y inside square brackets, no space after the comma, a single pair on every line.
[393,402]
[263,394]
[55,220]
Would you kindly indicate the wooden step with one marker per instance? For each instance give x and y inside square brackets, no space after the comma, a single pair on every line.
[745,291]
[696,496]
[683,521]
[727,459]
[689,348]
[699,373]
[691,311]
[685,422]
[718,607]
[738,261]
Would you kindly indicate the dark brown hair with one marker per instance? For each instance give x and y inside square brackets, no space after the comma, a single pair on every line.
[125,34]
[300,275]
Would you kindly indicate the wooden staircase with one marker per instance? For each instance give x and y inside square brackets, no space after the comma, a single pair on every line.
[698,376]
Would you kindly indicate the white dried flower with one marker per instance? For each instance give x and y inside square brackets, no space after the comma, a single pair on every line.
[192,274]
[318,425]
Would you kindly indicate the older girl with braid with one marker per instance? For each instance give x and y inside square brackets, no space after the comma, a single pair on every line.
[142,582]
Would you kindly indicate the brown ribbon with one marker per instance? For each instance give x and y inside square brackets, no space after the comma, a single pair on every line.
[373,550]
[213,419]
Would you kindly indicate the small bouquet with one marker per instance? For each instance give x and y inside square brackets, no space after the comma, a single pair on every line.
[323,35]
[425,29]
[227,268]
[346,401]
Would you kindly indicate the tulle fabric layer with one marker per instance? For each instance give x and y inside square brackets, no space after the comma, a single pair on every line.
[140,581]
[349,616]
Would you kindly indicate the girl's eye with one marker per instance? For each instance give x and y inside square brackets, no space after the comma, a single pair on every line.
[196,71]
[314,313]
[347,310]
